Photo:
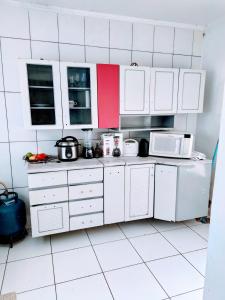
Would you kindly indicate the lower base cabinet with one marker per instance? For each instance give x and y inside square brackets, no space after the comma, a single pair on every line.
[139,191]
[49,219]
[182,193]
[114,194]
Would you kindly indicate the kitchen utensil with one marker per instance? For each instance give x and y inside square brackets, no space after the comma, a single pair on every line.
[88,151]
[67,148]
[130,147]
[143,148]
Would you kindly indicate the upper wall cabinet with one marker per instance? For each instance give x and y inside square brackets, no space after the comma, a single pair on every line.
[40,89]
[191,91]
[134,90]
[79,94]
[163,91]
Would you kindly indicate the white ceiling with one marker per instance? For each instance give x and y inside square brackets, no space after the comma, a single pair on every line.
[199,12]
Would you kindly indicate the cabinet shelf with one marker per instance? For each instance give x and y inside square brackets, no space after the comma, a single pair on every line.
[40,87]
[79,88]
[77,108]
[32,107]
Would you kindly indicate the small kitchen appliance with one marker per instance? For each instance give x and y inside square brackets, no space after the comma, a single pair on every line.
[12,217]
[112,144]
[88,150]
[130,147]
[67,148]
[171,144]
[143,148]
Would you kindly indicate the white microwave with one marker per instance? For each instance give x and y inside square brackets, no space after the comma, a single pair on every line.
[171,144]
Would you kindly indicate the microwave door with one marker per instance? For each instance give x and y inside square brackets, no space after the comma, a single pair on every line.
[167,145]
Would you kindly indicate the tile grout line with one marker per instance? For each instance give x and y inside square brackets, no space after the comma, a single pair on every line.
[53,268]
[3,278]
[182,254]
[148,268]
[199,233]
[99,265]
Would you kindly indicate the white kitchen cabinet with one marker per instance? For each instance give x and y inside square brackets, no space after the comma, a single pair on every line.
[41,94]
[139,191]
[79,94]
[113,194]
[163,91]
[134,90]
[49,219]
[191,91]
[182,192]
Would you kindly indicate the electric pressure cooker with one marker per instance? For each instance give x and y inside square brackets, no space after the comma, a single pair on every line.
[67,148]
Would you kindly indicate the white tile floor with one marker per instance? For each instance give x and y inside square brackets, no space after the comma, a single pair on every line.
[138,260]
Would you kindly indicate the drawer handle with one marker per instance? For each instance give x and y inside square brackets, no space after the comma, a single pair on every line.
[44,196]
[82,222]
[90,191]
[53,195]
[81,192]
[82,207]
[90,206]
[91,221]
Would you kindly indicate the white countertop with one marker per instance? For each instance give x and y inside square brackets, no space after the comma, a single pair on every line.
[108,162]
[60,166]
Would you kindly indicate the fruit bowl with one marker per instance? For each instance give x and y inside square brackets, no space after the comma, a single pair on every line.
[36,158]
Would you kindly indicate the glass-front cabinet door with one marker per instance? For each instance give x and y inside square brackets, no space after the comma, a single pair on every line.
[40,89]
[79,94]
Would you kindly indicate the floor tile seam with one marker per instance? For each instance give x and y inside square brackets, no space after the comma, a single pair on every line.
[39,288]
[137,235]
[27,258]
[53,266]
[100,265]
[149,269]
[4,272]
[183,255]
[195,290]
[199,234]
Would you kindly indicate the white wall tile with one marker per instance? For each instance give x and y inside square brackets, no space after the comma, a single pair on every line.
[12,49]
[5,169]
[183,41]
[43,25]
[182,61]
[47,147]
[180,122]
[45,50]
[17,132]
[143,35]
[163,39]
[142,58]
[73,53]
[1,74]
[192,123]
[198,42]
[96,32]
[3,120]
[71,29]
[18,150]
[196,62]
[97,55]
[49,135]
[77,133]
[162,60]
[120,34]
[14,21]
[122,57]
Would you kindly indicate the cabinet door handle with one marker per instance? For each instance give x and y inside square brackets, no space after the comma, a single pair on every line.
[81,192]
[90,191]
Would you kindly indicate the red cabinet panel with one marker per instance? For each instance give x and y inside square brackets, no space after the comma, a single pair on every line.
[108,95]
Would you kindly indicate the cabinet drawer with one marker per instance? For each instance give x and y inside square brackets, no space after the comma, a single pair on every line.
[49,219]
[85,206]
[47,179]
[85,191]
[87,175]
[48,196]
[87,221]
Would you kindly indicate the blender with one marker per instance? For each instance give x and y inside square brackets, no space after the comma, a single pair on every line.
[88,151]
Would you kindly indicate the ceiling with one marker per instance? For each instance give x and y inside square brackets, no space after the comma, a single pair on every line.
[199,12]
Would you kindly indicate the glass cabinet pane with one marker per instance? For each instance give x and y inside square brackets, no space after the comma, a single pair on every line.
[41,93]
[79,91]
